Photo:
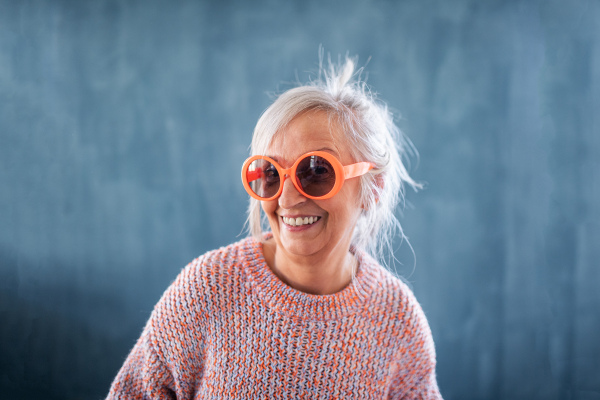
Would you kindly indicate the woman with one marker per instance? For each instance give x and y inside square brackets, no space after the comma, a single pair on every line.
[302,311]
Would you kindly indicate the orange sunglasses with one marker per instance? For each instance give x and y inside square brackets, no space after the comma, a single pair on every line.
[317,175]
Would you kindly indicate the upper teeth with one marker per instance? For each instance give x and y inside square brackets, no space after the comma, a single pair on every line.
[300,221]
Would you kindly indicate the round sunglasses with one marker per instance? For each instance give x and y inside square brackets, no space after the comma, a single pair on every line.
[317,175]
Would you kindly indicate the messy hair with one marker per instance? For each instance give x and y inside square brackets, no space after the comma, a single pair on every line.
[369,129]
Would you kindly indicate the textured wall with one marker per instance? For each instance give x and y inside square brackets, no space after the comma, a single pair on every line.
[123,125]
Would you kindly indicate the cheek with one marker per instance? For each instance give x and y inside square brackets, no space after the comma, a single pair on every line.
[350,194]
[348,207]
[269,207]
[343,210]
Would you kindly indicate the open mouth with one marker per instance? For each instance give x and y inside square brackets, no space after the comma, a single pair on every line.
[299,221]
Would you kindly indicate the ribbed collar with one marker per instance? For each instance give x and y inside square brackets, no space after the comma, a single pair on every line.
[296,304]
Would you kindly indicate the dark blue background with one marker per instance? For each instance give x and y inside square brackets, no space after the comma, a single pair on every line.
[123,125]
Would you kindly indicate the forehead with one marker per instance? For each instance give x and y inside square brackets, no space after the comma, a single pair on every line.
[309,131]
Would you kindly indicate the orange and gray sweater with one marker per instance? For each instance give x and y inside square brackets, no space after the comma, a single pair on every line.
[228,328]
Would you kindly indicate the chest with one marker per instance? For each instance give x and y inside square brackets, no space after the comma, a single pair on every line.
[276,357]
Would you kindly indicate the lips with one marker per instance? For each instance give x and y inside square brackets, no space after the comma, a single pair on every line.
[299,221]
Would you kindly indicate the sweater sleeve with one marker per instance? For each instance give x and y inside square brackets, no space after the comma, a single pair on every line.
[144,375]
[426,389]
[414,376]
[167,359]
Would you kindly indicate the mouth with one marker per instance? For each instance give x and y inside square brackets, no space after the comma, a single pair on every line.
[300,221]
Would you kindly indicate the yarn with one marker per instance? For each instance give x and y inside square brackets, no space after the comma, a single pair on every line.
[229,328]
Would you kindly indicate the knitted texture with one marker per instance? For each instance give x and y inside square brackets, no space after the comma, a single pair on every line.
[228,328]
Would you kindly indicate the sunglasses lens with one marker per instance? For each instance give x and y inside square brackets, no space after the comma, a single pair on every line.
[263,178]
[315,175]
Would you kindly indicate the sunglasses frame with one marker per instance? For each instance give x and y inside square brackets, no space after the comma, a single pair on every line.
[342,172]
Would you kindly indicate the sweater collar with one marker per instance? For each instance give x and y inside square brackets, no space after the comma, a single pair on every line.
[294,303]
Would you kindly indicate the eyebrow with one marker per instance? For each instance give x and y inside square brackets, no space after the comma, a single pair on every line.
[329,149]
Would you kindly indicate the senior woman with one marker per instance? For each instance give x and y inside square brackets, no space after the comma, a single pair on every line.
[302,311]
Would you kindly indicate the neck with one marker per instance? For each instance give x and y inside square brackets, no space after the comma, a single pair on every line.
[316,274]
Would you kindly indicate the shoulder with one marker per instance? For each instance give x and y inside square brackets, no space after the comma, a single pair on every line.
[210,273]
[390,295]
[403,304]
[413,369]
[400,299]
[407,323]
[205,282]
[414,363]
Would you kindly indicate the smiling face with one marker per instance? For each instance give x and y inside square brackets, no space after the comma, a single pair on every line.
[303,227]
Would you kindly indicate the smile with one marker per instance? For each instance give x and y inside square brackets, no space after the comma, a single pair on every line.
[300,221]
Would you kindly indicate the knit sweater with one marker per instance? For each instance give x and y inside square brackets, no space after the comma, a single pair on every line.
[229,328]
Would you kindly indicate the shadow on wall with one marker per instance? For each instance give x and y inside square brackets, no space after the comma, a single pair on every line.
[67,352]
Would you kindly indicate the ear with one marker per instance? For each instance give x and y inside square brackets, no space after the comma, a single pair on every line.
[377,189]
[379,186]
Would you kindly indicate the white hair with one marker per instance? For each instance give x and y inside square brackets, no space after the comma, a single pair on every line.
[372,136]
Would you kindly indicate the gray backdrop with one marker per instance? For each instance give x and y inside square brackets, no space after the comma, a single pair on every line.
[123,125]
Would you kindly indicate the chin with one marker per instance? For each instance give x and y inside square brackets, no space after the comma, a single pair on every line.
[301,249]
[306,244]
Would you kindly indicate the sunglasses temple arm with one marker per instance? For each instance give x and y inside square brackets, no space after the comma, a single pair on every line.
[358,169]
[253,175]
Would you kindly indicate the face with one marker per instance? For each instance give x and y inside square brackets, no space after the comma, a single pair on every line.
[333,219]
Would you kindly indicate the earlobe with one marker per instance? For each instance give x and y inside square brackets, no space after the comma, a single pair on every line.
[365,205]
[376,190]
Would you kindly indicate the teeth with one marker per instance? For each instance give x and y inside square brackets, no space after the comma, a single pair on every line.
[300,221]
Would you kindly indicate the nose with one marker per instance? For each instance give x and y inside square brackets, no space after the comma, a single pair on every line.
[290,196]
